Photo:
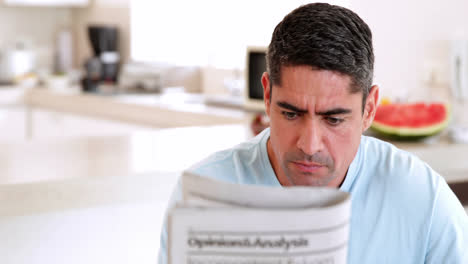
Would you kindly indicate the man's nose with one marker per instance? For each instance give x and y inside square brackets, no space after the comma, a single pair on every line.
[310,138]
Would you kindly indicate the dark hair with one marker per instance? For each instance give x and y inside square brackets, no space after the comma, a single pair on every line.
[325,37]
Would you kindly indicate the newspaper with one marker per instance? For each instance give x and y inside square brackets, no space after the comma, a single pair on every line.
[224,223]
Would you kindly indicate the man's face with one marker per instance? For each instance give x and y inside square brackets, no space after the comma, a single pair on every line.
[315,125]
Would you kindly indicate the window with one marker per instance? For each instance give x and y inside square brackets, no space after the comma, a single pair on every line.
[204,32]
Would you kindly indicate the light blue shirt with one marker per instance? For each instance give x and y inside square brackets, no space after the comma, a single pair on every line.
[402,210]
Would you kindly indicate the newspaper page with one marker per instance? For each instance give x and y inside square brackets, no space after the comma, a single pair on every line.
[226,223]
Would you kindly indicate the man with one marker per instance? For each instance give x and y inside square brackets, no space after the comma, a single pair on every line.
[319,97]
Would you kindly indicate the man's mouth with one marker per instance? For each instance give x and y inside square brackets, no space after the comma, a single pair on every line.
[308,167]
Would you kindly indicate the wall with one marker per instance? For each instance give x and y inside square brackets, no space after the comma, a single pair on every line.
[36,26]
[412,44]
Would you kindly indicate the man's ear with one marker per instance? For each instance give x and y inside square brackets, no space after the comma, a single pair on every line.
[266,92]
[370,107]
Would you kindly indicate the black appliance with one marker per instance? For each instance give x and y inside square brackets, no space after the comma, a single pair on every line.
[103,67]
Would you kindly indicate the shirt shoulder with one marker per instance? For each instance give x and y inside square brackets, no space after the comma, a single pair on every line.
[244,163]
[393,164]
[400,199]
[393,178]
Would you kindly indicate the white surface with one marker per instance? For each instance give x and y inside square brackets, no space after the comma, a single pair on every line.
[16,63]
[407,39]
[219,31]
[54,125]
[166,110]
[459,134]
[446,158]
[85,220]
[47,2]
[12,124]
[96,199]
[11,96]
[111,234]
[18,122]
[167,150]
[68,112]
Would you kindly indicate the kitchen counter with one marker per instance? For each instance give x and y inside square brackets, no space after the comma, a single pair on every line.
[45,166]
[96,199]
[166,110]
[447,158]
[163,150]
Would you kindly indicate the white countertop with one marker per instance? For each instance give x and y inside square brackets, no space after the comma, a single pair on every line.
[447,158]
[172,109]
[96,199]
[166,150]
[84,220]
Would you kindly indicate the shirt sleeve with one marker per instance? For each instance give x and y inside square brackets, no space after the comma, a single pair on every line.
[448,237]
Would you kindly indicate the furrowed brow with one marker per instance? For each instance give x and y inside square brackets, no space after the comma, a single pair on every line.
[291,107]
[335,111]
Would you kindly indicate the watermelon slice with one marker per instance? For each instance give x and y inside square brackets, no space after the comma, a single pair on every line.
[411,121]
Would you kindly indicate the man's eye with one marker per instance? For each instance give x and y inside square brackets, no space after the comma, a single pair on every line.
[334,121]
[290,115]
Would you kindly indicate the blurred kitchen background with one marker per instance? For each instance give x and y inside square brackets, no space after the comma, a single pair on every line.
[201,45]
[104,102]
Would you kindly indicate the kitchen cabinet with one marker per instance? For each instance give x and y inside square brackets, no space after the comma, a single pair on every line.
[12,123]
[64,3]
[18,123]
[72,113]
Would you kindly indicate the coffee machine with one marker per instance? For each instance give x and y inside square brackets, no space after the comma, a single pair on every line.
[103,67]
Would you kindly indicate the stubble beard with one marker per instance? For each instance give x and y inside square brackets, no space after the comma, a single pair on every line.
[308,178]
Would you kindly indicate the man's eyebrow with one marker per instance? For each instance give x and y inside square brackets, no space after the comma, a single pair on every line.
[291,107]
[334,111]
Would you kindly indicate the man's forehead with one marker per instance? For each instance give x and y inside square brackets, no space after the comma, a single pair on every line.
[316,82]
[288,72]
[314,97]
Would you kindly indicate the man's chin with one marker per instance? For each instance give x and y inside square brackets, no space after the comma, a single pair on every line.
[312,184]
[311,180]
